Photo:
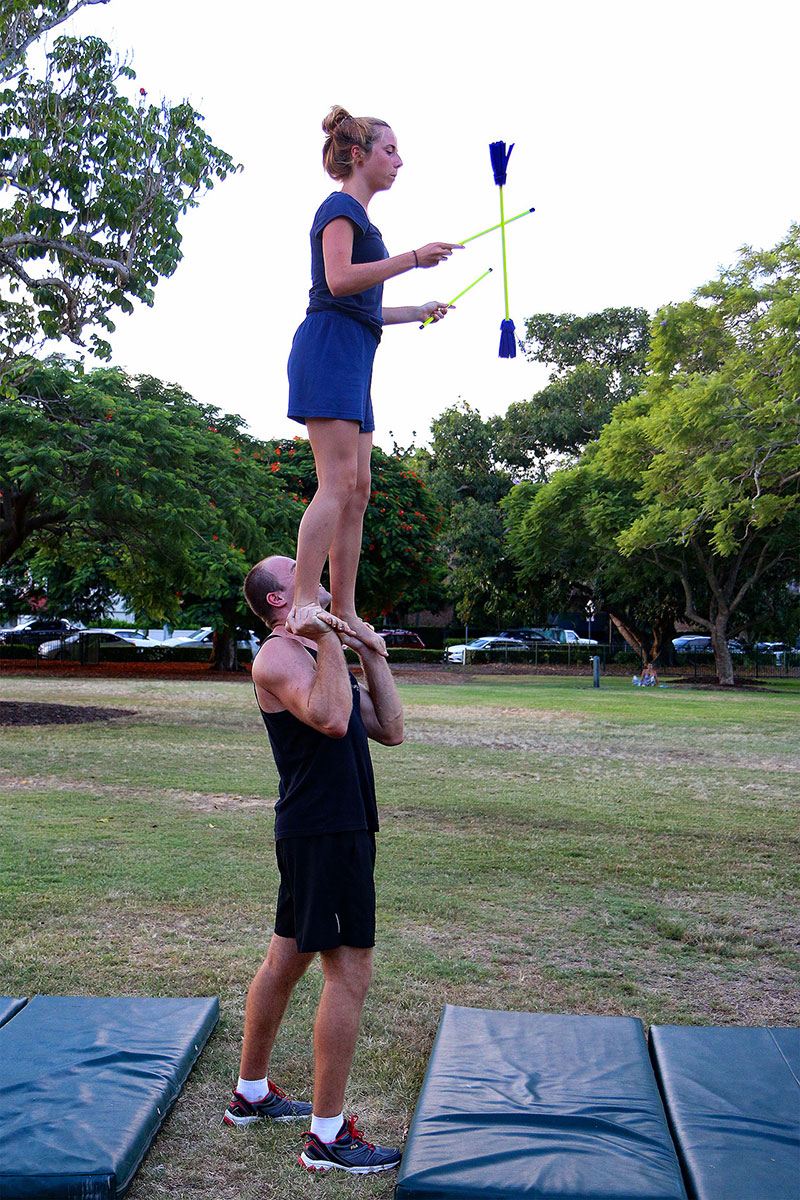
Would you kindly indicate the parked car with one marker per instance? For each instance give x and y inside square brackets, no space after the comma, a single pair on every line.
[32,631]
[695,643]
[137,637]
[456,653]
[528,634]
[568,637]
[98,639]
[402,637]
[204,637]
[692,643]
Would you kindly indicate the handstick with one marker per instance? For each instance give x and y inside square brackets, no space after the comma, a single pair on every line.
[492,228]
[460,294]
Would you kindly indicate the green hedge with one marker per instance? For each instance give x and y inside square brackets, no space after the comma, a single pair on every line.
[14,651]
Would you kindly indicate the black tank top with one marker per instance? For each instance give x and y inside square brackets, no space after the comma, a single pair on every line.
[326,784]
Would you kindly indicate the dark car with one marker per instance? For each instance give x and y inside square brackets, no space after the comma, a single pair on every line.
[89,644]
[527,634]
[402,637]
[40,629]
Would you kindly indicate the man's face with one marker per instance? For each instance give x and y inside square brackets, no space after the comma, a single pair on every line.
[284,570]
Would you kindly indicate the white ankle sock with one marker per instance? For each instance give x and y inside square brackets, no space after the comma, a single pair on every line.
[252,1089]
[326,1128]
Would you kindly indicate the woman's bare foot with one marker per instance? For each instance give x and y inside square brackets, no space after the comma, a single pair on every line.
[366,634]
[302,618]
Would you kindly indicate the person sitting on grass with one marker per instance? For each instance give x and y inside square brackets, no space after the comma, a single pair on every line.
[649,676]
[318,720]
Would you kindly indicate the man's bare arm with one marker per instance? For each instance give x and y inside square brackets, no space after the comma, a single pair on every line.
[318,695]
[381,708]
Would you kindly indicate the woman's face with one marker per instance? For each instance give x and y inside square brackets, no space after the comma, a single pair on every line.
[381,165]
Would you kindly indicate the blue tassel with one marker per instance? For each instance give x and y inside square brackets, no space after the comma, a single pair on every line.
[497,153]
[508,343]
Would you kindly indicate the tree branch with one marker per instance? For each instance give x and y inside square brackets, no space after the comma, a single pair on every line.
[19,34]
[92,260]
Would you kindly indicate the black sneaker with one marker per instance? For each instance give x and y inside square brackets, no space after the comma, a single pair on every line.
[276,1106]
[350,1152]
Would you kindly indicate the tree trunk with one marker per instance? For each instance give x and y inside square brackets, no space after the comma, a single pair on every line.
[722,655]
[225,657]
[633,636]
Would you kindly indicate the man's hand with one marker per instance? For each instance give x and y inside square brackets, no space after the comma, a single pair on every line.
[312,621]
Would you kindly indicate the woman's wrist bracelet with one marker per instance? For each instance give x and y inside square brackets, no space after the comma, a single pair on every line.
[416,260]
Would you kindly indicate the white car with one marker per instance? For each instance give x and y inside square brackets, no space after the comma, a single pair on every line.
[693,643]
[205,637]
[568,637]
[198,637]
[493,644]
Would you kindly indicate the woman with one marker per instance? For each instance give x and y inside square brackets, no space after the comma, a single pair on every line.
[330,366]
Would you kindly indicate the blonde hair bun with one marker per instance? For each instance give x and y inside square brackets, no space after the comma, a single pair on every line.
[343,133]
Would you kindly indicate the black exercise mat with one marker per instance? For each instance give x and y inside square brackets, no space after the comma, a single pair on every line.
[84,1086]
[539,1105]
[733,1103]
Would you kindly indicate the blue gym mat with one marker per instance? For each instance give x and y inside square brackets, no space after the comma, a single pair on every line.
[733,1103]
[10,1006]
[84,1086]
[539,1105]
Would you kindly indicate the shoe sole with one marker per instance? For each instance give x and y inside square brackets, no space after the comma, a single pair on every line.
[229,1119]
[315,1164]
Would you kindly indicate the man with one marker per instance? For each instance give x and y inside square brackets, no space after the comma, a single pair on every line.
[318,720]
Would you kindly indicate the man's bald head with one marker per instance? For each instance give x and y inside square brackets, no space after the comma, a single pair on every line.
[267,581]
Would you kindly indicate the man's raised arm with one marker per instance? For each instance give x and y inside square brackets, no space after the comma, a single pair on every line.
[381,707]
[318,695]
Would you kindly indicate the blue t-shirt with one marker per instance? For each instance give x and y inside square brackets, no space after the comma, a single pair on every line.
[366,307]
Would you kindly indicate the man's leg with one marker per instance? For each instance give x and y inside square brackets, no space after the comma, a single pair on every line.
[348,971]
[267,1001]
[255,1097]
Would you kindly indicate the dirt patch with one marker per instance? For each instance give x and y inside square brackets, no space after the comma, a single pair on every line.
[21,712]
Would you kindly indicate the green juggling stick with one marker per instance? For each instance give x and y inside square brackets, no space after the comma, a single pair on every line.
[460,294]
[492,228]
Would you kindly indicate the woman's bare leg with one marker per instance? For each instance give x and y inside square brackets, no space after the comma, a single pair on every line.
[336,446]
[345,552]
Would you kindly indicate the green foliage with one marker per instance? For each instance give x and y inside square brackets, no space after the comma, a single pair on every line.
[92,186]
[400,569]
[468,482]
[161,493]
[695,481]
[23,22]
[597,361]
[562,538]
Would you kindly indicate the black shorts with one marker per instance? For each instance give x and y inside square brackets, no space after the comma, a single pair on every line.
[327,893]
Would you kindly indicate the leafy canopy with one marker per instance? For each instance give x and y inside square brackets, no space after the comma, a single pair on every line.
[92,184]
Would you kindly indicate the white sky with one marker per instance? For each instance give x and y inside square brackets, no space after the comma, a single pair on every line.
[653,139]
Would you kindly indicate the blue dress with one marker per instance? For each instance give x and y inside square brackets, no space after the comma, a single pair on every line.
[330,365]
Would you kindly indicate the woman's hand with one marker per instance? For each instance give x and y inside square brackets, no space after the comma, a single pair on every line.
[435,252]
[434,310]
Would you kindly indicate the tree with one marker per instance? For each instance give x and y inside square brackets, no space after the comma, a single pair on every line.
[562,539]
[712,442]
[93,185]
[401,569]
[167,495]
[597,361]
[469,482]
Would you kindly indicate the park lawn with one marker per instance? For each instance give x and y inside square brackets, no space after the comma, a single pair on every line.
[544,846]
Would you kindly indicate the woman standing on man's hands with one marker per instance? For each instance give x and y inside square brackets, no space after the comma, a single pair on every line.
[330,366]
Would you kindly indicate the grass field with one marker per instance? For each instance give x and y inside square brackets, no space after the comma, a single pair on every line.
[544,846]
